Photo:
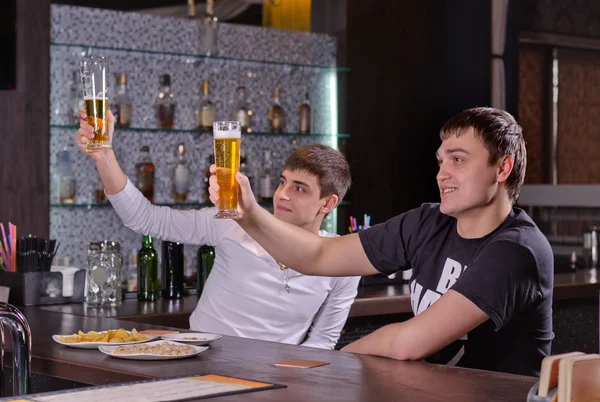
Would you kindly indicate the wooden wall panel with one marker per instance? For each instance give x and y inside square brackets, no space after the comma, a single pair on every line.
[579,117]
[24,150]
[531,109]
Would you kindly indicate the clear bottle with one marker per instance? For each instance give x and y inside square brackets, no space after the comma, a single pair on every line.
[67,186]
[242,111]
[148,288]
[145,174]
[208,32]
[267,179]
[304,115]
[276,115]
[122,106]
[205,110]
[181,176]
[165,104]
[210,160]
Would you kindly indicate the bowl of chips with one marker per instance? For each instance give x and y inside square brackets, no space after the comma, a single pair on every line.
[93,339]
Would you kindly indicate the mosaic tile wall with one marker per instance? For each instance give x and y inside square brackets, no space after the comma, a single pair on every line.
[76,227]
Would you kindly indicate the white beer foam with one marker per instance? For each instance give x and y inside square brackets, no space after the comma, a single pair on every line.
[92,98]
[228,134]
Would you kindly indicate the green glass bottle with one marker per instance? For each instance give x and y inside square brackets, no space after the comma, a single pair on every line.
[206,259]
[148,283]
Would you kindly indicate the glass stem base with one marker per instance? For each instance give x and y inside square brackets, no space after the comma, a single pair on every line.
[229,214]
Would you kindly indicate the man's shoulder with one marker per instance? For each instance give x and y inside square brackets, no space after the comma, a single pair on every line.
[521,232]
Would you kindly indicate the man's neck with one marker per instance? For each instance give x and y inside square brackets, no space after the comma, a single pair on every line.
[313,226]
[480,222]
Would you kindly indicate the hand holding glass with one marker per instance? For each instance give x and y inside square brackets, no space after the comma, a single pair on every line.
[94,78]
[227,138]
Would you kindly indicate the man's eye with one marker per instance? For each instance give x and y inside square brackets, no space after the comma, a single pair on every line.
[300,189]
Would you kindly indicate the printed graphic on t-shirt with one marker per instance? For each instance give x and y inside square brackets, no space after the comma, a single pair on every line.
[422,298]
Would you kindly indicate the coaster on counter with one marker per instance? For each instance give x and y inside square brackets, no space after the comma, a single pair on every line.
[157,332]
[301,363]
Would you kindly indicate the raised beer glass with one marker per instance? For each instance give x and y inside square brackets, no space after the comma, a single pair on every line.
[94,78]
[227,137]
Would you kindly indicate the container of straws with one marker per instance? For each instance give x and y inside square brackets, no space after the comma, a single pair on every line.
[25,264]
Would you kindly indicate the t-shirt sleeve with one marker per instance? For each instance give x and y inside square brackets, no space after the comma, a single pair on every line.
[502,281]
[386,244]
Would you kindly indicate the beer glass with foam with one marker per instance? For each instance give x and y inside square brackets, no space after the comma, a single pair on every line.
[94,79]
[227,138]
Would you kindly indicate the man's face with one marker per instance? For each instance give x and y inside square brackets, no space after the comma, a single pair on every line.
[297,199]
[466,180]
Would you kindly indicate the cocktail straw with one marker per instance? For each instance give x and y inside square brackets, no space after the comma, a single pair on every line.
[7,247]
[13,244]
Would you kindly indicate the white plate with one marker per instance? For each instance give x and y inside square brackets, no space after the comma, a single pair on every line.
[203,338]
[108,350]
[95,345]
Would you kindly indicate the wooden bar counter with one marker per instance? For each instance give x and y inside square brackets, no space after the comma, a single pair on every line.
[348,378]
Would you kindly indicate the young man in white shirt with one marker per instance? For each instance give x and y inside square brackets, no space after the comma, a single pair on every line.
[248,293]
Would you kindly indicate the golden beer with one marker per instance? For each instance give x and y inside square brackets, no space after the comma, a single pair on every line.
[96,117]
[227,161]
[227,140]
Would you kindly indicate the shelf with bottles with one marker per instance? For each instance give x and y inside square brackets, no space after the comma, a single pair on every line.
[176,205]
[202,132]
[197,57]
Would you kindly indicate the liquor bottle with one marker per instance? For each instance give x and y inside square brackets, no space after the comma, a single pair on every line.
[276,115]
[99,195]
[242,111]
[208,32]
[145,174]
[210,160]
[267,187]
[206,259]
[172,273]
[165,105]
[67,185]
[205,110]
[191,9]
[181,176]
[122,107]
[304,115]
[245,169]
[147,271]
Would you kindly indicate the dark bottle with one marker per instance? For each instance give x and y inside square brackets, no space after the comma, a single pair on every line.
[147,272]
[145,174]
[165,105]
[206,258]
[172,272]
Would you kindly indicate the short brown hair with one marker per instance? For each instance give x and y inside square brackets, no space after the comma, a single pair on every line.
[330,167]
[501,135]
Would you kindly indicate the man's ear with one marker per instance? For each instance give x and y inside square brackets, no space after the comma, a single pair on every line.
[505,166]
[330,203]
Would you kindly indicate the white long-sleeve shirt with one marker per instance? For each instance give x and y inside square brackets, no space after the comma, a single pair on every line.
[245,293]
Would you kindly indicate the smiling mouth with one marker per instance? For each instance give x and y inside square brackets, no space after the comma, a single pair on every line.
[448,190]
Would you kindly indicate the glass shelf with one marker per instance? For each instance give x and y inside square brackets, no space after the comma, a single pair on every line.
[175,130]
[178,205]
[199,57]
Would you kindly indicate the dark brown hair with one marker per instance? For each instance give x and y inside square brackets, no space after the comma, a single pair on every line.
[330,167]
[501,135]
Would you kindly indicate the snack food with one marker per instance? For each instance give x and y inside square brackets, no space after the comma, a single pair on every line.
[162,348]
[112,336]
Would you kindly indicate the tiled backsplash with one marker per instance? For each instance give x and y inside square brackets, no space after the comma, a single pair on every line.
[76,227]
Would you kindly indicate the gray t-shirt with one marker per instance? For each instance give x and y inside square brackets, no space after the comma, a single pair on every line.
[508,274]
